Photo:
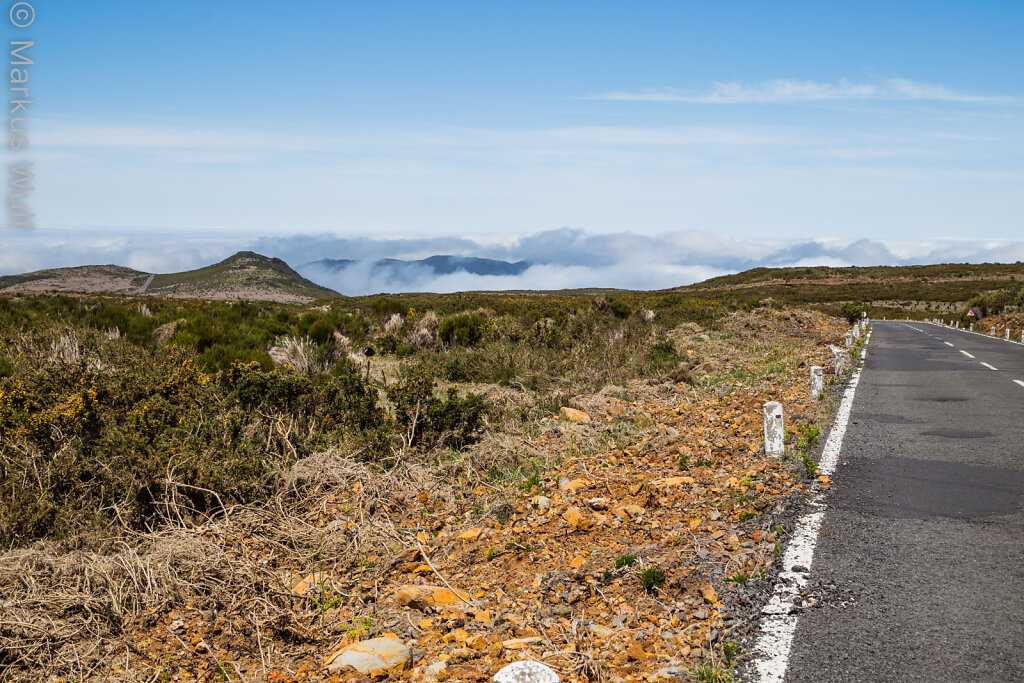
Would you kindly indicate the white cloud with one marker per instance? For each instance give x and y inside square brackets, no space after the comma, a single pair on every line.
[783,91]
[561,259]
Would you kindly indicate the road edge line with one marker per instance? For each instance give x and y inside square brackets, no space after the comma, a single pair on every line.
[780,615]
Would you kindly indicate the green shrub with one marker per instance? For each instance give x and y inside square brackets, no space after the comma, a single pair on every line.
[145,435]
[626,560]
[387,343]
[663,353]
[620,308]
[6,367]
[852,312]
[321,331]
[460,330]
[652,578]
[386,306]
[431,420]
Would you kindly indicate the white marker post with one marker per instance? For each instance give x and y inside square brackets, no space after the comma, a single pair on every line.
[817,382]
[972,327]
[837,359]
[1007,334]
[774,431]
[993,332]
[849,339]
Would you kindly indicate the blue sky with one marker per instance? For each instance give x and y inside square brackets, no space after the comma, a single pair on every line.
[753,120]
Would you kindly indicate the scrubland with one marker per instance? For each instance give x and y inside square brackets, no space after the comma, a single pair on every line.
[195,490]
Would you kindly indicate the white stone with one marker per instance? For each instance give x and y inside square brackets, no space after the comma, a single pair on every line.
[526,672]
[817,382]
[541,503]
[774,430]
[377,653]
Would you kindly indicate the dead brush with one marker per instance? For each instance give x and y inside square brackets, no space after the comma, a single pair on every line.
[65,349]
[394,324]
[298,353]
[424,334]
[64,605]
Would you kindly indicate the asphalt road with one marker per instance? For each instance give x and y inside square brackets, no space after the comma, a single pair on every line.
[919,568]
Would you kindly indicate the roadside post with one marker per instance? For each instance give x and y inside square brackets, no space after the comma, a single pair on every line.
[838,357]
[774,430]
[817,382]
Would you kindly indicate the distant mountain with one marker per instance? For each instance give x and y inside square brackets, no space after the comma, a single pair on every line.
[246,275]
[439,265]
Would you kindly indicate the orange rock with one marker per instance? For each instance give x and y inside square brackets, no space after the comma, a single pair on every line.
[519,643]
[302,586]
[574,485]
[583,522]
[574,415]
[632,511]
[459,635]
[635,650]
[675,481]
[709,593]
[470,534]
[421,597]
[476,643]
[577,562]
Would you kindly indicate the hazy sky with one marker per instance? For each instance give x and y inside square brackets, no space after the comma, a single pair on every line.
[754,120]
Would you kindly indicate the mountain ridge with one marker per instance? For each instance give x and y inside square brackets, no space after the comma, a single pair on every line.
[243,275]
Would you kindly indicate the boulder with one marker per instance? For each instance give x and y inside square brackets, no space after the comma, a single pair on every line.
[387,653]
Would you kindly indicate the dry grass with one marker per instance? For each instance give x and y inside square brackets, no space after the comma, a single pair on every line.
[298,353]
[68,611]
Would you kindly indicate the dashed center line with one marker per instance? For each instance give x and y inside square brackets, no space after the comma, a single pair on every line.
[1017,381]
[989,366]
[966,354]
[947,343]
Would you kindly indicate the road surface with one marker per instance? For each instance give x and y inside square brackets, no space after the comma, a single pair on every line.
[919,567]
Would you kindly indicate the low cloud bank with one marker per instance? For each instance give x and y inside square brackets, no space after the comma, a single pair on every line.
[560,259]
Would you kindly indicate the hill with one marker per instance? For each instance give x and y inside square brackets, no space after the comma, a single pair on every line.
[246,275]
[882,290]
[109,278]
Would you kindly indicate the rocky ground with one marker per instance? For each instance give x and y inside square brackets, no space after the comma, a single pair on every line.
[640,540]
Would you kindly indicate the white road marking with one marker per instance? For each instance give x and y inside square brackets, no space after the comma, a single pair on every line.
[947,344]
[780,614]
[1017,381]
[966,354]
[989,366]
